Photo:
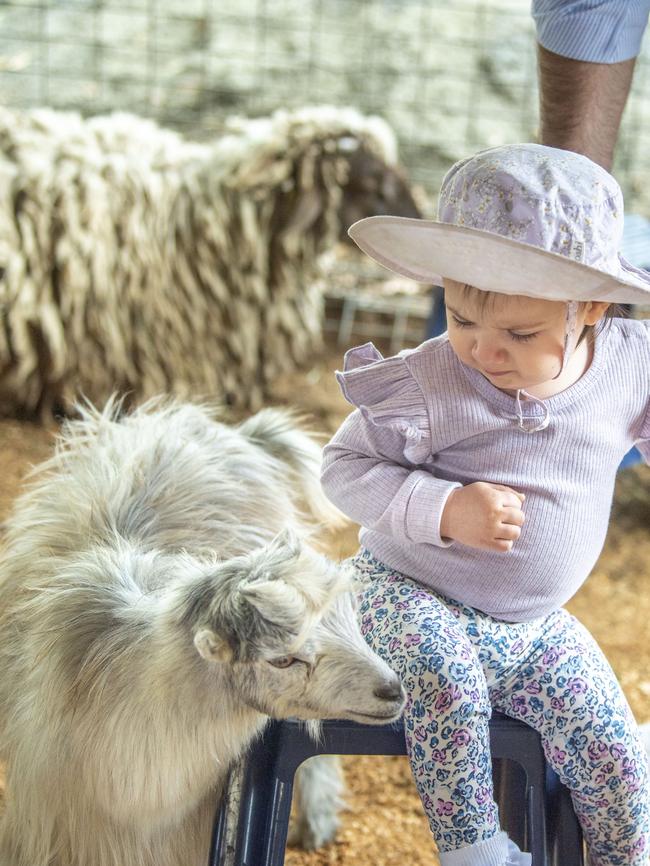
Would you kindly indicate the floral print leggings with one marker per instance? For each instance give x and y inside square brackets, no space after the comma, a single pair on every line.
[457,664]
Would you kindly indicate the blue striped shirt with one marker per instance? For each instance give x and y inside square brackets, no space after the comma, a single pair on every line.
[599,31]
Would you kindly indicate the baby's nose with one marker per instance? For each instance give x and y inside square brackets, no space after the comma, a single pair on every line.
[488,351]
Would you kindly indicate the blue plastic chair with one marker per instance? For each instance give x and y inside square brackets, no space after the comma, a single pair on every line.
[535,808]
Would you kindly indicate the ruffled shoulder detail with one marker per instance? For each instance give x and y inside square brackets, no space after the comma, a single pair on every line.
[387,395]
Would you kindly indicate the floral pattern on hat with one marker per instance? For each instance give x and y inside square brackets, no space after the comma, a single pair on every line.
[558,201]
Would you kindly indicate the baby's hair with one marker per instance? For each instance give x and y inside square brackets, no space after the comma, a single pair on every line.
[486,300]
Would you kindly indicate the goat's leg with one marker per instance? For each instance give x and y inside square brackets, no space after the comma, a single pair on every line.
[318,800]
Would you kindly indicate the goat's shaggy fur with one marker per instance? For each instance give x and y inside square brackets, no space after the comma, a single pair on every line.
[154,612]
[134,260]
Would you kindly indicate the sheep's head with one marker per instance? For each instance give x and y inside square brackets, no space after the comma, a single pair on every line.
[282,620]
[374,188]
[335,173]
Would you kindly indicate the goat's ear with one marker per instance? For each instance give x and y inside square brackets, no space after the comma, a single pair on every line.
[288,541]
[276,601]
[211,647]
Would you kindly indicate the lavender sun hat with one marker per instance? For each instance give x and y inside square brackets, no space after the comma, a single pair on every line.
[522,219]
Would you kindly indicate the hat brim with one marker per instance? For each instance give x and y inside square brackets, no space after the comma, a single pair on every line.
[426,250]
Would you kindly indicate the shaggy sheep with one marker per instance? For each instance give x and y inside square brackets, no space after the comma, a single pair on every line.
[158,602]
[134,260]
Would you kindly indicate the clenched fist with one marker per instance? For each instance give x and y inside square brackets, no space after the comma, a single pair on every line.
[483,515]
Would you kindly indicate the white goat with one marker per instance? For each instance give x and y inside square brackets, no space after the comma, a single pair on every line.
[154,612]
[134,260]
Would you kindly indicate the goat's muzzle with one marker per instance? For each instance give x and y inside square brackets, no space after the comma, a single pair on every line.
[392,692]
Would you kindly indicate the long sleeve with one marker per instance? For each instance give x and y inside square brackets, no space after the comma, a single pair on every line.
[371,467]
[643,442]
[366,481]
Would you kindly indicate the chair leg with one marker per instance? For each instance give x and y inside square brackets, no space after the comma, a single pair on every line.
[510,787]
[519,803]
[265,799]
[567,845]
[264,811]
[224,833]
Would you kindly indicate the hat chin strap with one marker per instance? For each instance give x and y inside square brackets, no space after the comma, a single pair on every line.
[569,330]
[537,425]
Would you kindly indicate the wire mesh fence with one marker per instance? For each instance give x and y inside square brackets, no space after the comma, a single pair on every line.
[450,77]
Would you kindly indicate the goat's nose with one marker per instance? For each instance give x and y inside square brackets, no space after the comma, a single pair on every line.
[391,691]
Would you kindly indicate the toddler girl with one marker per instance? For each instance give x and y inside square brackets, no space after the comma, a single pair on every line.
[481,468]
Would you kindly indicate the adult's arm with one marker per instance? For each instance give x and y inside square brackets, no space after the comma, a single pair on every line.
[587,51]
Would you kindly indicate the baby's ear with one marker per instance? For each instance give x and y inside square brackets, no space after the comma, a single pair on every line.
[211,647]
[595,311]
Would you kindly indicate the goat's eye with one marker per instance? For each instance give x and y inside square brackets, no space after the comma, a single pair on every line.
[283,661]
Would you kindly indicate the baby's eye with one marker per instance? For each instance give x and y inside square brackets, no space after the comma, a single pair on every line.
[461,322]
[522,338]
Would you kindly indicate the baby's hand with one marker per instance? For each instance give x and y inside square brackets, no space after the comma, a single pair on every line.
[483,515]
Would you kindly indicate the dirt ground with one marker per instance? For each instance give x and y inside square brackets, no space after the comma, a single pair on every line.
[384,824]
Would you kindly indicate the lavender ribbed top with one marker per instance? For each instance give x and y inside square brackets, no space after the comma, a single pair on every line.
[426,423]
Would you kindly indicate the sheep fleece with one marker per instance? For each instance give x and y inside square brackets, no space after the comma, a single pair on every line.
[134,260]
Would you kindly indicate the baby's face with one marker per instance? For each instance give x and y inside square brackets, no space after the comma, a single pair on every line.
[514,341]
